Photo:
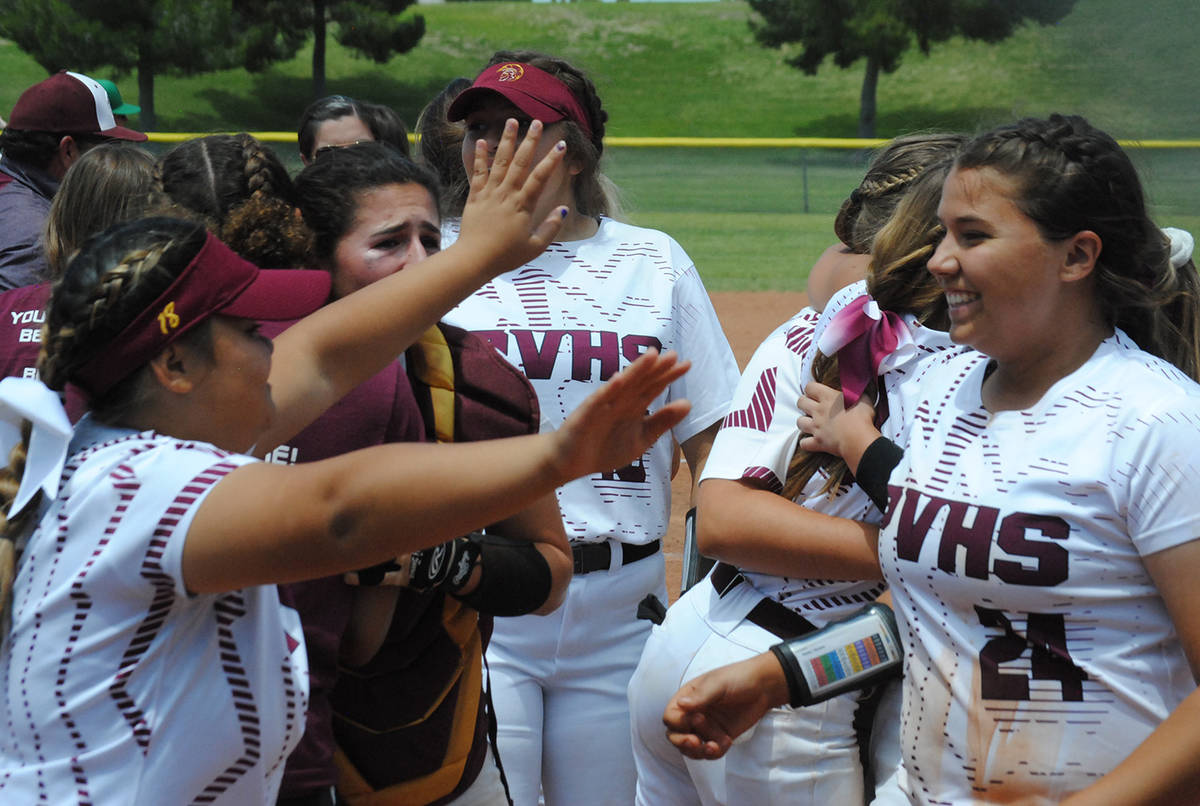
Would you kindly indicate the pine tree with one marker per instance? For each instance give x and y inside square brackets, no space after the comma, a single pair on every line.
[880,31]
[181,37]
[277,29]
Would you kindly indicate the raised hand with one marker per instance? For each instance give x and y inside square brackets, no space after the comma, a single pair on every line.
[611,427]
[498,217]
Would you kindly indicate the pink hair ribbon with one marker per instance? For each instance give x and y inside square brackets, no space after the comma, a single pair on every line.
[864,338]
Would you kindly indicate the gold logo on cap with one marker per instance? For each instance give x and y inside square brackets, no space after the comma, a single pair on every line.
[510,72]
[168,320]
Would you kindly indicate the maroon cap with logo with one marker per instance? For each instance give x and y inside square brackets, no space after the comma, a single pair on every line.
[68,103]
[217,281]
[530,89]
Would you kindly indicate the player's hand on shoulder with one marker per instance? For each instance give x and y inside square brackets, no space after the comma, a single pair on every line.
[829,427]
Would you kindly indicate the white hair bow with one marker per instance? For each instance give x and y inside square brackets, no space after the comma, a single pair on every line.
[1182,244]
[26,399]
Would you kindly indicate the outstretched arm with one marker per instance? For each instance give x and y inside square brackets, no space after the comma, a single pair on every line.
[267,523]
[324,356]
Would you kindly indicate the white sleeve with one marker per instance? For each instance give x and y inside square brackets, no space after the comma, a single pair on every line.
[179,481]
[699,338]
[759,435]
[1163,469]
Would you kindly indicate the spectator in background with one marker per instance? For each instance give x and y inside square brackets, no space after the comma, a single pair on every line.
[439,147]
[108,185]
[338,120]
[121,110]
[52,124]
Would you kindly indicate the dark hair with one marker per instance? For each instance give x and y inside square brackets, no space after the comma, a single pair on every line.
[37,149]
[898,281]
[594,193]
[893,168]
[242,192]
[382,121]
[1069,177]
[439,147]
[329,189]
[386,126]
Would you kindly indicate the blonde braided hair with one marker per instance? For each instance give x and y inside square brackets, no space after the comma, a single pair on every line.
[899,282]
[892,170]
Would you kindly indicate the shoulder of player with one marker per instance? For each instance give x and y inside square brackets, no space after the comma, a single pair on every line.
[632,239]
[141,456]
[1119,368]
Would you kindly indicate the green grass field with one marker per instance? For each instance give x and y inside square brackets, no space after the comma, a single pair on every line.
[752,219]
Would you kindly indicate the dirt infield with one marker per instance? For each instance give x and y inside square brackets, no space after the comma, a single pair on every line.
[747,316]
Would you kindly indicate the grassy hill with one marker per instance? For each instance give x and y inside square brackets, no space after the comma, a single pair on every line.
[694,69]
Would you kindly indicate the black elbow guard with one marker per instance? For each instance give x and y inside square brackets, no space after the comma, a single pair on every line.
[515,577]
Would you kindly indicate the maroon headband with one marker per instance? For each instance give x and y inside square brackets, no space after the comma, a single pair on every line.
[217,281]
[530,89]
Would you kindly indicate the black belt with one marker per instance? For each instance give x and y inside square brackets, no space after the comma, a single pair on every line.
[323,797]
[591,557]
[768,614]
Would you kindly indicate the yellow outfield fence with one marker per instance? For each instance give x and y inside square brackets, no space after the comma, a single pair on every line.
[687,142]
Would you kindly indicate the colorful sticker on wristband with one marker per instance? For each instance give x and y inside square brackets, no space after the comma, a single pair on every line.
[849,659]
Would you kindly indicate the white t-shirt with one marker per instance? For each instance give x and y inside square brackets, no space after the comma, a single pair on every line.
[119,686]
[579,313]
[1038,651]
[759,436]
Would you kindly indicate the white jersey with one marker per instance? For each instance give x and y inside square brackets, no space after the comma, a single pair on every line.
[579,313]
[118,685]
[1038,651]
[759,436]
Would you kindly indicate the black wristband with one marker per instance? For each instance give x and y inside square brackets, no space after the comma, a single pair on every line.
[875,467]
[848,654]
[374,574]
[798,693]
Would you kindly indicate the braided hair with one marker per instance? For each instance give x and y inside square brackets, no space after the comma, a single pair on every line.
[595,194]
[243,194]
[898,281]
[113,278]
[1070,177]
[897,165]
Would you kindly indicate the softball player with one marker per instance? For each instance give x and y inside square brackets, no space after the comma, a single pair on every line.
[143,624]
[1040,539]
[410,722]
[602,294]
[762,590]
